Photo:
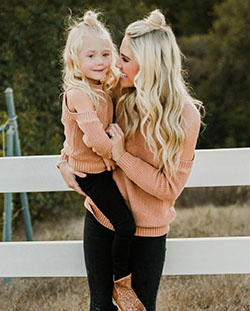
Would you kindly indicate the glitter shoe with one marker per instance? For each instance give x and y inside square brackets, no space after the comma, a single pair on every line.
[125,297]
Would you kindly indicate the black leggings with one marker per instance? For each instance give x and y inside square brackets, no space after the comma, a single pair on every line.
[148,255]
[104,192]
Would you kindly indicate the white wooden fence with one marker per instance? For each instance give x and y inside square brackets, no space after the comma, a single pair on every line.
[218,167]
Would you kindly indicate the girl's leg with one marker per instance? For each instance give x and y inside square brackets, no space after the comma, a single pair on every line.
[104,192]
[98,260]
[148,256]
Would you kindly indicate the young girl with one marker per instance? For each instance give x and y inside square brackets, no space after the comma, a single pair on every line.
[87,111]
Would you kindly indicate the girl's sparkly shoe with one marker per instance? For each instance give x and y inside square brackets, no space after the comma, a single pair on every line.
[125,297]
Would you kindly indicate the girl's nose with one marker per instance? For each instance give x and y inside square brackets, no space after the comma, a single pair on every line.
[99,60]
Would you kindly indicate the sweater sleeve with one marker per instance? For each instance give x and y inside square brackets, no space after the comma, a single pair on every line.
[94,135]
[153,181]
[159,183]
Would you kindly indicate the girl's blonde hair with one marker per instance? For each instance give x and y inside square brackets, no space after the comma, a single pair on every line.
[156,103]
[77,32]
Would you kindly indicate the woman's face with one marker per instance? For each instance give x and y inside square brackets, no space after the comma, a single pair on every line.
[127,64]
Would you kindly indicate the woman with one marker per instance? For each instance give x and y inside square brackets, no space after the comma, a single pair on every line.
[153,146]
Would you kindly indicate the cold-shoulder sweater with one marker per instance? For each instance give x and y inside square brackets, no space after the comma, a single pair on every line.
[86,131]
[148,192]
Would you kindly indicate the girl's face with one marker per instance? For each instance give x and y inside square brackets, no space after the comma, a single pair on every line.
[95,58]
[127,64]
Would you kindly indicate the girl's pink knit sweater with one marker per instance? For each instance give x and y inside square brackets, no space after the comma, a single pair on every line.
[86,131]
[150,194]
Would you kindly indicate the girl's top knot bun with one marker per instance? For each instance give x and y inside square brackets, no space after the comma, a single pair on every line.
[90,18]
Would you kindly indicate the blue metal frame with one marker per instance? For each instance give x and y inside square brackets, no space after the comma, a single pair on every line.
[17,152]
[13,149]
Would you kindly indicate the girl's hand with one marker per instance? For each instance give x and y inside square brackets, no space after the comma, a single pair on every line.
[117,140]
[110,164]
[68,174]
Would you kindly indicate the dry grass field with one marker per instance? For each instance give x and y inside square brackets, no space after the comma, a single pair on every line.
[177,293]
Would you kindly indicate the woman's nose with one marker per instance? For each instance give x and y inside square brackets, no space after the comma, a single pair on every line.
[118,63]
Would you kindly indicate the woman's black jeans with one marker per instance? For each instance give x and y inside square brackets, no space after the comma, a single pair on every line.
[104,192]
[147,260]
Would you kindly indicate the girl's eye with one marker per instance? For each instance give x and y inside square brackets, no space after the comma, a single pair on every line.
[106,54]
[91,56]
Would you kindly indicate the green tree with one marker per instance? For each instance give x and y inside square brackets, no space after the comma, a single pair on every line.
[188,17]
[226,92]
[32,36]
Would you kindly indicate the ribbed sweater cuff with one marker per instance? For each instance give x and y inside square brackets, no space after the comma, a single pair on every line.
[125,161]
[87,116]
[185,164]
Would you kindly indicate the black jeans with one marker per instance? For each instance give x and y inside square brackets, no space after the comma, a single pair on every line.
[104,192]
[148,255]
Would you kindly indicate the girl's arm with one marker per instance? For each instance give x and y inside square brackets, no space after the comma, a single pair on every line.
[94,135]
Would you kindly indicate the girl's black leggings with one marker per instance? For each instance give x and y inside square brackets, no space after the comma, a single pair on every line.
[147,260]
[104,192]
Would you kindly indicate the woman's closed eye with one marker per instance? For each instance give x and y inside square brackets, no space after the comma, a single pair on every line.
[125,59]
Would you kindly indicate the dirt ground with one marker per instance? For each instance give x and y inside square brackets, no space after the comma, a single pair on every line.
[176,293]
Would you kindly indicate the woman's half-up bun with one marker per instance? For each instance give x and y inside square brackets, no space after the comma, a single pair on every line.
[155,20]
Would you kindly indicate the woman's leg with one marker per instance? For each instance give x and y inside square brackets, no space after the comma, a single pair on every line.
[98,259]
[104,192]
[148,256]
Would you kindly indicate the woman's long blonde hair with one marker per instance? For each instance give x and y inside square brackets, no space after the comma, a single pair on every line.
[77,32]
[155,104]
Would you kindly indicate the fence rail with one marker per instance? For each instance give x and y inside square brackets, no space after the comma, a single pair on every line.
[230,255]
[219,167]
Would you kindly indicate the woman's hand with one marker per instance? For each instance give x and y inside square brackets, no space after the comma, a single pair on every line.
[68,174]
[117,140]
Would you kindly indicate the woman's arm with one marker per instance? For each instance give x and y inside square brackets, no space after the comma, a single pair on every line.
[150,179]
[68,174]
[155,182]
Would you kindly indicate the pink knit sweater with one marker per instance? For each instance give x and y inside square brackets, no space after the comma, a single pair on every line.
[86,131]
[150,194]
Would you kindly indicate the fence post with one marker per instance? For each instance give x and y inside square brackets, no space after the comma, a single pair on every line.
[7,228]
[17,152]
[8,196]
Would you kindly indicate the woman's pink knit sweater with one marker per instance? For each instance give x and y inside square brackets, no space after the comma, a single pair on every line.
[150,194]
